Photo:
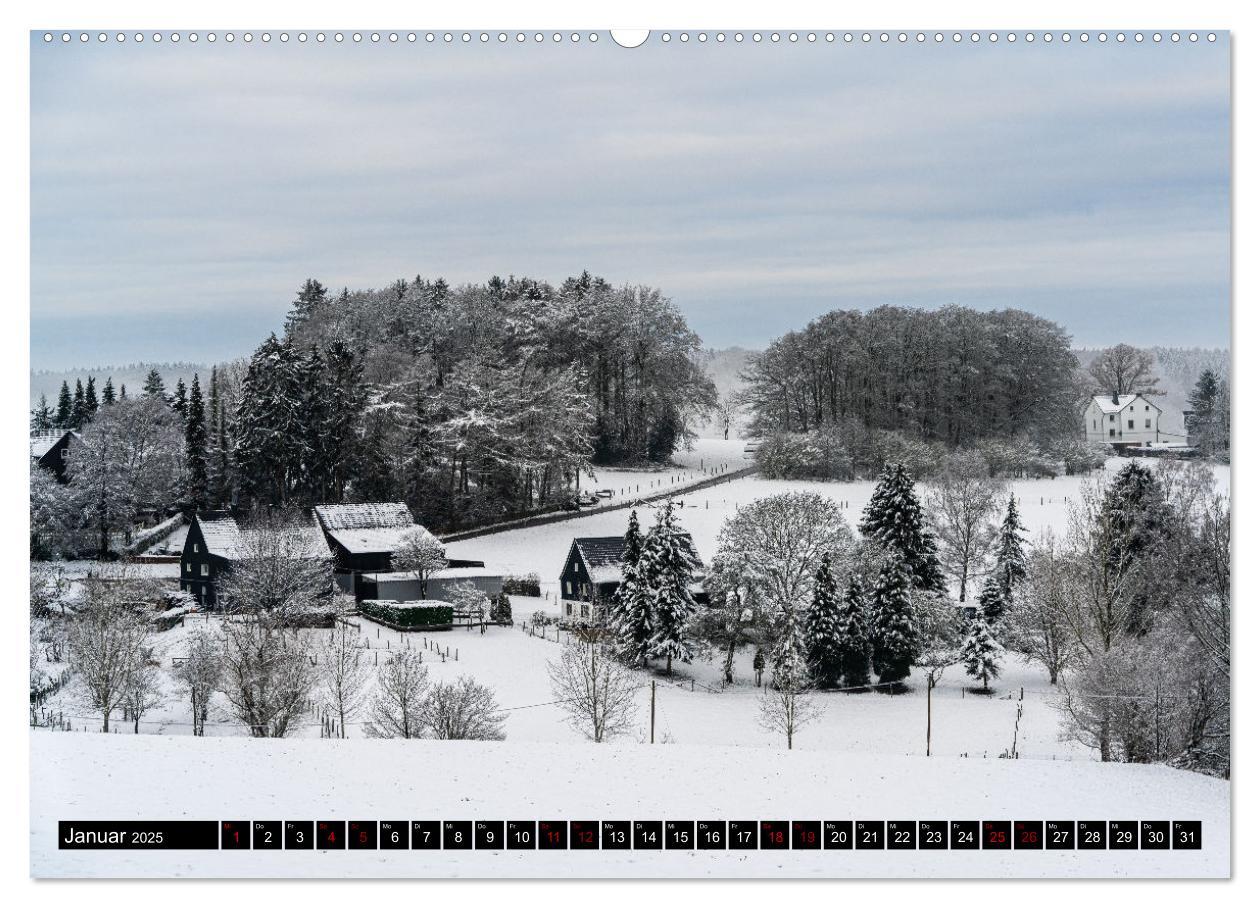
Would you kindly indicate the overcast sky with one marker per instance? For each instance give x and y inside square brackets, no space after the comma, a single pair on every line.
[180,194]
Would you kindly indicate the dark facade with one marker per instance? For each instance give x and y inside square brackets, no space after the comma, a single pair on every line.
[51,455]
[592,575]
[200,568]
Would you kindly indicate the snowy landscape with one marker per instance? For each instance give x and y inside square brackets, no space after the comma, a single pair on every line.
[828,438]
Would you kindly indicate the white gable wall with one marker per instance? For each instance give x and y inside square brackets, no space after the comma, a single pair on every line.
[1128,426]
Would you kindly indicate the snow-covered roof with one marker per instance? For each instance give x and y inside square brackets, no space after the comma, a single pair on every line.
[368,514]
[224,538]
[369,540]
[416,603]
[602,555]
[221,535]
[42,444]
[1108,404]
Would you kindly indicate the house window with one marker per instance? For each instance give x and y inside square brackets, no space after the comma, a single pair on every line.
[1131,408]
[1148,424]
[1095,424]
[205,570]
[1113,433]
[568,608]
[1130,424]
[568,588]
[585,612]
[196,548]
[1148,409]
[575,567]
[1111,417]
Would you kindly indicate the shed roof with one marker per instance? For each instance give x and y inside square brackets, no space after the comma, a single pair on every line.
[368,514]
[602,555]
[374,540]
[225,538]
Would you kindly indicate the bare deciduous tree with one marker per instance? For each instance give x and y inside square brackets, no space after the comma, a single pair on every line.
[267,673]
[462,710]
[962,500]
[280,569]
[107,642]
[1038,629]
[143,691]
[595,689]
[396,712]
[199,674]
[421,554]
[343,672]
[1123,369]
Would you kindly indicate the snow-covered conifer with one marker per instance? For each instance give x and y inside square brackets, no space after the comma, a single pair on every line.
[669,566]
[855,644]
[894,639]
[823,626]
[980,651]
[894,519]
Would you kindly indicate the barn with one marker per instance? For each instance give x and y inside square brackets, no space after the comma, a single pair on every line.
[363,539]
[592,575]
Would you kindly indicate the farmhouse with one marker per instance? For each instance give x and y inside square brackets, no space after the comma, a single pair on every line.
[215,542]
[592,575]
[1125,420]
[49,451]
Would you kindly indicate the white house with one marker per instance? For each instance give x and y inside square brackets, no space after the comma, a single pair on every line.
[1127,419]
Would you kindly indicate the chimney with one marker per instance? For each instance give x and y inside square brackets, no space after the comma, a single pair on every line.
[1115,400]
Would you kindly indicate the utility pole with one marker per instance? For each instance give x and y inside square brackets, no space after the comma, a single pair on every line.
[652,725]
[931,684]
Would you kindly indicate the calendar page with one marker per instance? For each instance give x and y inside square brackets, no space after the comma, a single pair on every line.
[657,454]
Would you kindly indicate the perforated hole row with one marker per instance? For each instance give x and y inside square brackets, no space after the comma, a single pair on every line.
[663,37]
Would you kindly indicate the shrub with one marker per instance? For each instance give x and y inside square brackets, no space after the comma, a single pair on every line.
[406,614]
[524,585]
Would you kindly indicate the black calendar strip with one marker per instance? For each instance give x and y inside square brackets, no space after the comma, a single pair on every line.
[638,835]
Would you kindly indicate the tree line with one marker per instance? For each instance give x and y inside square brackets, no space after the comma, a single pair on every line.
[952,375]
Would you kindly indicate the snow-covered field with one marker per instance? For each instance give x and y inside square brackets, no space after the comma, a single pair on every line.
[1043,504]
[120,777]
[864,755]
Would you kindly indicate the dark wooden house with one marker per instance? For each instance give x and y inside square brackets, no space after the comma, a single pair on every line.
[363,538]
[50,451]
[215,543]
[592,575]
[212,544]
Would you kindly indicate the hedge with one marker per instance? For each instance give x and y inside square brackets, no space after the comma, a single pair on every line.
[404,616]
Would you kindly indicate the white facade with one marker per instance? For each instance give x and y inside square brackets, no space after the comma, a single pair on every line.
[1129,419]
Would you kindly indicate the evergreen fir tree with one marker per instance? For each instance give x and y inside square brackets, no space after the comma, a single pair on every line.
[993,602]
[217,455]
[894,519]
[1202,415]
[894,638]
[107,393]
[268,434]
[179,401]
[980,651]
[668,568]
[759,664]
[309,298]
[631,617]
[855,643]
[42,417]
[78,409]
[122,391]
[90,401]
[824,647]
[1012,563]
[153,386]
[65,409]
[195,448]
